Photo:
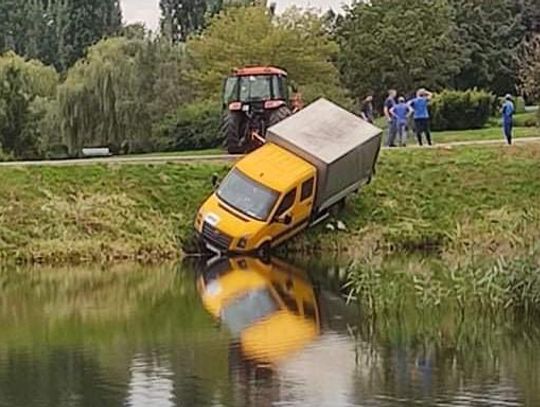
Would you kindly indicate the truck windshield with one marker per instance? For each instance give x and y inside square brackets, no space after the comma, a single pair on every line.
[248,309]
[247,196]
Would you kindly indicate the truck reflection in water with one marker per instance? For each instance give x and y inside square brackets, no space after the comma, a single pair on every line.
[272,311]
[270,308]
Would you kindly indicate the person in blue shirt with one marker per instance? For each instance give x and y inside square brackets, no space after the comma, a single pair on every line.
[507,111]
[401,113]
[389,104]
[420,106]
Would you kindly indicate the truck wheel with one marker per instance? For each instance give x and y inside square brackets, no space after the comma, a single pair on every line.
[278,115]
[337,208]
[232,130]
[264,251]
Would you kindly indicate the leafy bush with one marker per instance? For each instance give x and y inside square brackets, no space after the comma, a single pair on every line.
[526,120]
[519,103]
[4,156]
[461,110]
[193,127]
[27,87]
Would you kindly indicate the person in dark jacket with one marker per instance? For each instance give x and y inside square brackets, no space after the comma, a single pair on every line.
[389,103]
[366,109]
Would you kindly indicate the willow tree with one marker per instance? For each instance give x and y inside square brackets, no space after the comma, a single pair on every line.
[296,41]
[114,95]
[97,100]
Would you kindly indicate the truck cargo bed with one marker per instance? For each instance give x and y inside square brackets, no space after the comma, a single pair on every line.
[343,147]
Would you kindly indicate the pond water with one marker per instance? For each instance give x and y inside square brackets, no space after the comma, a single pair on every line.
[245,333]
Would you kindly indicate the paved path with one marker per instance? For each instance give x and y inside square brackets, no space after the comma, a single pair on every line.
[163,159]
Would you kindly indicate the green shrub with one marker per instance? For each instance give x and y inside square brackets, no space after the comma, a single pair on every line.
[461,110]
[4,156]
[57,152]
[526,120]
[519,103]
[193,127]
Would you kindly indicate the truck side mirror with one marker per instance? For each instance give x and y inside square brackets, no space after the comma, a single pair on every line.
[284,219]
[215,181]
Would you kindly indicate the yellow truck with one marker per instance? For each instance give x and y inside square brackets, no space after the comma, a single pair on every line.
[270,308]
[310,163]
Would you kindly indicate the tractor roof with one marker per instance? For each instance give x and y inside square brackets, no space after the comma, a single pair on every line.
[259,70]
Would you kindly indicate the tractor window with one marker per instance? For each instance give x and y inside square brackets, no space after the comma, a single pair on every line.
[279,85]
[255,88]
[230,90]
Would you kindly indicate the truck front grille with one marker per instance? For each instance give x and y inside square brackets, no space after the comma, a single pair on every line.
[215,237]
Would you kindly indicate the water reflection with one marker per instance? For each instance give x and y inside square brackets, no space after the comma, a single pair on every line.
[280,342]
[244,332]
[151,382]
[270,308]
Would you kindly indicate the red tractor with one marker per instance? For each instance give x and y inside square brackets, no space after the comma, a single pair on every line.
[254,98]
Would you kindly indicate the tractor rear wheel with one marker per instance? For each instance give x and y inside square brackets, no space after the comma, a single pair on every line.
[278,115]
[232,132]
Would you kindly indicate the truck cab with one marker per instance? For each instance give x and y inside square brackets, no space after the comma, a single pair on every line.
[259,204]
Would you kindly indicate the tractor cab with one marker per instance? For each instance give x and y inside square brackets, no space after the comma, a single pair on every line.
[254,98]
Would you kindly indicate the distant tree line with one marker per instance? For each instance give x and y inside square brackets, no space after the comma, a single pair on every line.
[57,32]
[71,75]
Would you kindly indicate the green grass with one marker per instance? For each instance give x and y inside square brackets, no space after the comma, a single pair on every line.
[524,127]
[209,151]
[99,212]
[488,133]
[485,198]
[480,283]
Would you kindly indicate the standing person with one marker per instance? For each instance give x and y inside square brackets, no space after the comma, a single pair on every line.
[507,111]
[421,114]
[389,104]
[366,109]
[401,113]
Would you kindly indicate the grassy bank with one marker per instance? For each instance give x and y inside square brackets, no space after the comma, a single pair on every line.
[99,212]
[483,200]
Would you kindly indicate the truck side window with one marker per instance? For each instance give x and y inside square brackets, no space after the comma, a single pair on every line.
[287,203]
[307,189]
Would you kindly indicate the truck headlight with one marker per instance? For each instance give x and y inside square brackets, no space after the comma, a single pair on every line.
[242,243]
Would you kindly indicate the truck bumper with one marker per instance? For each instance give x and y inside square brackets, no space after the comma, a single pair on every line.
[211,246]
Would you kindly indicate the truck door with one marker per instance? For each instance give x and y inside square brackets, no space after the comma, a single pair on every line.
[297,205]
[279,229]
[305,202]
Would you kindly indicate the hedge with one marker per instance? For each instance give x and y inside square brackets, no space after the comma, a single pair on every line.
[461,110]
[526,120]
[192,127]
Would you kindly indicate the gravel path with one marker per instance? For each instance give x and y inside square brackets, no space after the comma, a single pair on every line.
[157,159]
